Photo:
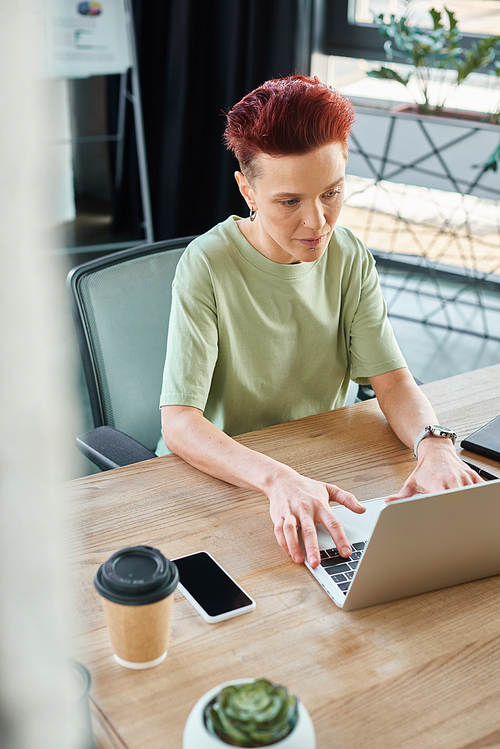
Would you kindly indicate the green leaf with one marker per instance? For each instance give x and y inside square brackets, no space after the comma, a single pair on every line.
[451,19]
[480,54]
[388,75]
[436,18]
[491,164]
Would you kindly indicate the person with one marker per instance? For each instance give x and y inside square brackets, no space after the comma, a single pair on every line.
[274,314]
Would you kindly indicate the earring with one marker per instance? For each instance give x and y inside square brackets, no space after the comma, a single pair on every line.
[253,214]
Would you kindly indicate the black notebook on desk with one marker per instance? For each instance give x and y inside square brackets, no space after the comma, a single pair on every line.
[486,440]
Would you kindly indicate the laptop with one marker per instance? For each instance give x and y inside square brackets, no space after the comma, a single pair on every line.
[412,546]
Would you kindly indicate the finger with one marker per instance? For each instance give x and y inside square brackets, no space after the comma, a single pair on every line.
[394,497]
[471,477]
[453,481]
[404,493]
[332,524]
[310,538]
[410,488]
[292,539]
[477,479]
[345,498]
[280,536]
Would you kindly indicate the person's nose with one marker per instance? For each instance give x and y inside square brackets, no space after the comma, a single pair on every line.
[313,218]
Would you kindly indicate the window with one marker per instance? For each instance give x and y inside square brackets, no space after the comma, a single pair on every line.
[475,16]
[436,244]
[348,28]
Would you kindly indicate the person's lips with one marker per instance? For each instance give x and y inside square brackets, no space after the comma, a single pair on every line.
[313,242]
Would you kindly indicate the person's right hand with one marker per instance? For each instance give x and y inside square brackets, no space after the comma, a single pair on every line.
[299,502]
[295,501]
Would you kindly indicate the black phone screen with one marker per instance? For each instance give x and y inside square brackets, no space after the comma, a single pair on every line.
[209,584]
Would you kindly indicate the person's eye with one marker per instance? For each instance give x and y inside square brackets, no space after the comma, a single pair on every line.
[293,201]
[332,193]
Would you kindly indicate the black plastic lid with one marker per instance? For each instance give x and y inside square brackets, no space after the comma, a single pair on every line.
[136,576]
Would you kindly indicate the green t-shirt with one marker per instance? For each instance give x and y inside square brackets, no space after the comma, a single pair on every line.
[252,342]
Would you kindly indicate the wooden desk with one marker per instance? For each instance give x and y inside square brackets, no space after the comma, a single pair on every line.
[417,673]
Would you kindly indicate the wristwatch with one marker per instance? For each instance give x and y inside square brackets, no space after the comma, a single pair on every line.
[436,431]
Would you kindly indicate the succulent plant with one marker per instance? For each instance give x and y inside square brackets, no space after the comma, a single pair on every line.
[252,714]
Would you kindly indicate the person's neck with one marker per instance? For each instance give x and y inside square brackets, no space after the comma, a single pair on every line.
[250,231]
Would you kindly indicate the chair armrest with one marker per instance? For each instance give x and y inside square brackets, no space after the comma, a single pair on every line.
[365,392]
[109,448]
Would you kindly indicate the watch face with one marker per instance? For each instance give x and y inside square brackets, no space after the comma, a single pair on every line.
[439,431]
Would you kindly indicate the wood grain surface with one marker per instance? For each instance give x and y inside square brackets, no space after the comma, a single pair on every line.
[411,674]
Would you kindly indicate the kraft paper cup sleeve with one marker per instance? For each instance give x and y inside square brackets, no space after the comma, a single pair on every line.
[139,634]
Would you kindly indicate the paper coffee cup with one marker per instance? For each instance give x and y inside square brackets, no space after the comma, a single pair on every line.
[136,585]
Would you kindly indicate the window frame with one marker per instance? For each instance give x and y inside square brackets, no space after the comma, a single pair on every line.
[341,38]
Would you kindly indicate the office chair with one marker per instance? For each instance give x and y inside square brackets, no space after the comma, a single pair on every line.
[121,307]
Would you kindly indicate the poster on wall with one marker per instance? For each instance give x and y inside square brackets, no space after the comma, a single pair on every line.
[85,38]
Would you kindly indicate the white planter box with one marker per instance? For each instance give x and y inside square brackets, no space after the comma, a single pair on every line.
[424,150]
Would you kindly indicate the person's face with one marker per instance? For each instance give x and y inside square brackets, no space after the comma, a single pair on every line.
[298,200]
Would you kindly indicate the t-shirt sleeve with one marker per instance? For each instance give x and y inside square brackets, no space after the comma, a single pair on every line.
[373,346]
[192,343]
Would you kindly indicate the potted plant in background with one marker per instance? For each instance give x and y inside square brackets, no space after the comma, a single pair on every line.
[425,144]
[249,713]
[439,63]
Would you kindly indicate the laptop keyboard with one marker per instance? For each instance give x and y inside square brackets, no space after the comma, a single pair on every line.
[341,569]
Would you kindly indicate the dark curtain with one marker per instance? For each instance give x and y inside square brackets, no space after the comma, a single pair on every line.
[197,59]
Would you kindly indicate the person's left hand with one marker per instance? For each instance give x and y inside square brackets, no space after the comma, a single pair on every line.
[438,468]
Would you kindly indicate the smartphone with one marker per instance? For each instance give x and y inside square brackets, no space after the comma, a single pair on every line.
[208,587]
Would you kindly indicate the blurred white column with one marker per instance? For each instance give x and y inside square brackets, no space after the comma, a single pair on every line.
[63,192]
[36,414]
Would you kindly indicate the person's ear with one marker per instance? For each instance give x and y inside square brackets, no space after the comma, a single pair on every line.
[246,190]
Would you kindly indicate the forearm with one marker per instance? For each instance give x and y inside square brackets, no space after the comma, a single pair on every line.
[408,412]
[403,404]
[295,501]
[196,440]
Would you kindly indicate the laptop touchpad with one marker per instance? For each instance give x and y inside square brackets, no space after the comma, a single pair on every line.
[357,527]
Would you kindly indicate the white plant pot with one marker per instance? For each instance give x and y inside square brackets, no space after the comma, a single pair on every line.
[400,147]
[196,735]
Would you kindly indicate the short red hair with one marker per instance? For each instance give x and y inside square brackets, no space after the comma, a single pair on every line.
[287,116]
